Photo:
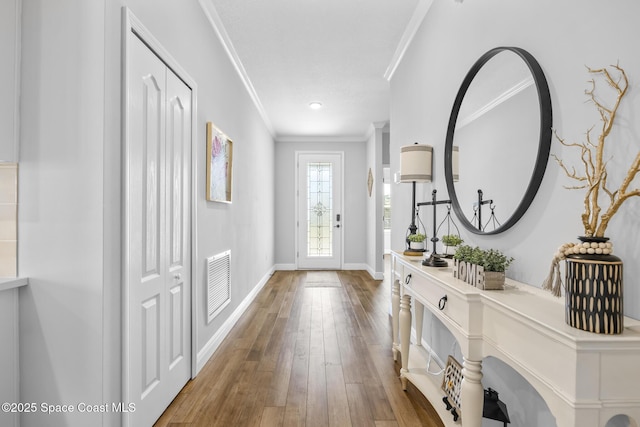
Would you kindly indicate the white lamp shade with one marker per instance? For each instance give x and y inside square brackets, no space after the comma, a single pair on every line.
[455,163]
[415,163]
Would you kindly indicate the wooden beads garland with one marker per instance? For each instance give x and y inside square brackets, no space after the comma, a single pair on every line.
[585,248]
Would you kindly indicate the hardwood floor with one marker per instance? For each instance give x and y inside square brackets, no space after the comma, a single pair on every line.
[313,349]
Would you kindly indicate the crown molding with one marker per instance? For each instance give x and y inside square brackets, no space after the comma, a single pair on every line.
[214,19]
[321,138]
[412,27]
[383,126]
[503,97]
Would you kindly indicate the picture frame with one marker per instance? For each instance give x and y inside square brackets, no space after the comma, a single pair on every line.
[451,385]
[219,165]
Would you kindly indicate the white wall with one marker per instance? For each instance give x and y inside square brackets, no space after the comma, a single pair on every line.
[10,11]
[60,217]
[354,210]
[454,35]
[70,196]
[375,237]
[563,37]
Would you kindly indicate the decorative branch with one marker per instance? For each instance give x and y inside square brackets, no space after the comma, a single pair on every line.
[594,177]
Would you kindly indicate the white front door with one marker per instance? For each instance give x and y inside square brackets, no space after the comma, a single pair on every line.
[320,219]
[157,294]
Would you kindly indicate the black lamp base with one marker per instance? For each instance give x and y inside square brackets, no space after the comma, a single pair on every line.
[435,261]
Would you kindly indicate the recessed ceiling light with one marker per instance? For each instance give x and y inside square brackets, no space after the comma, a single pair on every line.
[315,105]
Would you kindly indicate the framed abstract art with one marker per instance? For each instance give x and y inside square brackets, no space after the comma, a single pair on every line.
[219,165]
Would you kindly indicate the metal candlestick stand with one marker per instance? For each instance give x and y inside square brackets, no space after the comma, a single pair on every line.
[434,260]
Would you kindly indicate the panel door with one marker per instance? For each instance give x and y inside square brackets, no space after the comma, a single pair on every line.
[158,292]
[319,199]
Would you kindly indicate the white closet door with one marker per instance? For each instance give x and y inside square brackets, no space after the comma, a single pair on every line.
[157,298]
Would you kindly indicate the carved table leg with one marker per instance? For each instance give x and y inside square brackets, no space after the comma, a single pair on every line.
[395,320]
[472,393]
[419,321]
[405,337]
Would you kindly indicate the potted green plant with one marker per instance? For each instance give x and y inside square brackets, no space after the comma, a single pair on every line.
[481,268]
[450,243]
[416,241]
[495,263]
[466,253]
[463,253]
[466,264]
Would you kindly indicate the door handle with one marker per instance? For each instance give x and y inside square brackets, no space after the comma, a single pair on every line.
[337,226]
[177,276]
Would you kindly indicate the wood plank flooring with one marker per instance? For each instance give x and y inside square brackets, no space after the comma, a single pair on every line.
[313,349]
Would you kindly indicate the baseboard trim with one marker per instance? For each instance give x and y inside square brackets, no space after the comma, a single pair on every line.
[376,275]
[355,266]
[212,345]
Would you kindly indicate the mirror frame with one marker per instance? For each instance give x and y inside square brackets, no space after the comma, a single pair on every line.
[544,144]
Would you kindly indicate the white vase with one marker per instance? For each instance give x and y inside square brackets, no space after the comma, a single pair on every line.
[416,245]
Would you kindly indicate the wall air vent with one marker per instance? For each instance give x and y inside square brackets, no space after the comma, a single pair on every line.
[218,283]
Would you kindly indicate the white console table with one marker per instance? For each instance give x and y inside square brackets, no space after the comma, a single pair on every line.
[586,379]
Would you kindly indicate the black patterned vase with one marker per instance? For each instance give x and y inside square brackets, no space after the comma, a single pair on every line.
[594,289]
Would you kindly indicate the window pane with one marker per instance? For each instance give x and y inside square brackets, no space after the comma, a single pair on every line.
[387,206]
[319,210]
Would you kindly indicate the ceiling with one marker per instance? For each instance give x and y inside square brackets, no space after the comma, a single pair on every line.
[340,53]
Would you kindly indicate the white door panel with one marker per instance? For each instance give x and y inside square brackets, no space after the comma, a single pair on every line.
[158,292]
[319,200]
[178,230]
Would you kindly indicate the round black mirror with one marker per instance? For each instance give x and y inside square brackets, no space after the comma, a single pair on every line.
[498,140]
